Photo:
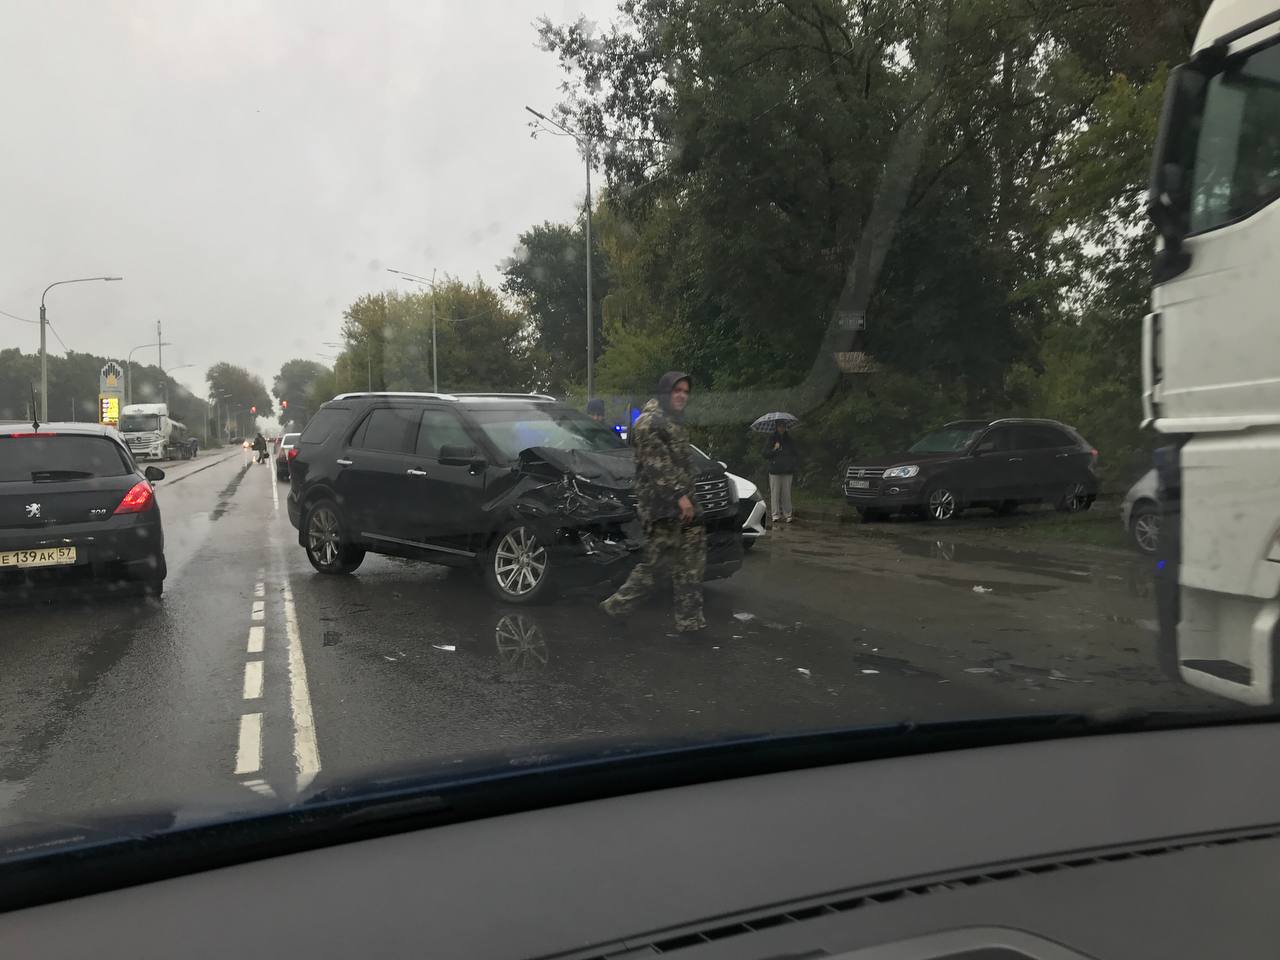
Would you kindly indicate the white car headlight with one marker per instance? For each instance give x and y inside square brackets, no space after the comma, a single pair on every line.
[901,473]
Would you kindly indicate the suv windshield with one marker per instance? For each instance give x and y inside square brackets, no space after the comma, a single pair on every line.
[139,423]
[59,458]
[947,440]
[511,431]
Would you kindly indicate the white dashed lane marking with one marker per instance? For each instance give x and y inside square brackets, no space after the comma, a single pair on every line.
[253,680]
[257,637]
[249,749]
[259,609]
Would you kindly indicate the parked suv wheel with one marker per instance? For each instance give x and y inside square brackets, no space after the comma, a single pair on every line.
[326,544]
[942,503]
[1075,499]
[518,565]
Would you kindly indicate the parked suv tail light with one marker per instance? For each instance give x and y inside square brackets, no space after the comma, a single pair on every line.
[293,452]
[139,499]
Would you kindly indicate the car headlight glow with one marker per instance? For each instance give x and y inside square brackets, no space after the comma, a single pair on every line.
[901,473]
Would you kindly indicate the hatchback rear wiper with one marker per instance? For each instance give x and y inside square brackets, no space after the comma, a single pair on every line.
[44,476]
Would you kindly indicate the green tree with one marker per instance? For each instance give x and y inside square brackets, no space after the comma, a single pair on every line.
[241,391]
[294,386]
[547,276]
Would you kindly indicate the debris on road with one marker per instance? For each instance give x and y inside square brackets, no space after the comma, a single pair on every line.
[744,617]
[979,669]
[870,671]
[446,647]
[804,670]
[979,588]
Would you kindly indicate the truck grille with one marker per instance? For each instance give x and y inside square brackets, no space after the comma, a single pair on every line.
[711,495]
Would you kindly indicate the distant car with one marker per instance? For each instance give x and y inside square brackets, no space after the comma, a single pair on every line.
[76,507]
[285,449]
[751,507]
[1140,513]
[978,463]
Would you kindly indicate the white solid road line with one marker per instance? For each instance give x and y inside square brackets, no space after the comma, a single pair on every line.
[306,752]
[275,495]
[249,751]
[253,680]
[256,637]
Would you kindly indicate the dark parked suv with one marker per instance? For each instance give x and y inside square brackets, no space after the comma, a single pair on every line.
[75,507]
[530,491]
[970,463]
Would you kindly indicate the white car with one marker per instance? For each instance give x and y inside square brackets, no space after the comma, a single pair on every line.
[1140,513]
[751,506]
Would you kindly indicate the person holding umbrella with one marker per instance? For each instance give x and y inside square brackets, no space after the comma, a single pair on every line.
[783,457]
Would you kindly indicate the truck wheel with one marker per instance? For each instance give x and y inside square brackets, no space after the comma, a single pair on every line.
[326,543]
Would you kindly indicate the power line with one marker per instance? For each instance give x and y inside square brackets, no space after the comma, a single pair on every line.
[65,348]
[14,316]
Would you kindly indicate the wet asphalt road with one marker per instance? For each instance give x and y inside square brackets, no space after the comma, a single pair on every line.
[255,678]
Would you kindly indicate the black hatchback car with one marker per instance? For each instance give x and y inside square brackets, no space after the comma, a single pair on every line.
[75,507]
[531,492]
[969,463]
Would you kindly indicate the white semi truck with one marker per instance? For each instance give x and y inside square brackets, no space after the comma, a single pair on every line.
[1211,355]
[152,435]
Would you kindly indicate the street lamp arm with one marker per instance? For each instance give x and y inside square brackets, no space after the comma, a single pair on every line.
[58,283]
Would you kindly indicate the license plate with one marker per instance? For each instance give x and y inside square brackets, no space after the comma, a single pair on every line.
[860,484]
[47,557]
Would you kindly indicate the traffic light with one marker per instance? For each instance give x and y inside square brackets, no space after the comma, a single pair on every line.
[284,404]
[253,409]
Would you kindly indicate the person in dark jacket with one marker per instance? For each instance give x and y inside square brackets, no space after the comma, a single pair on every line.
[784,459]
[260,447]
[664,493]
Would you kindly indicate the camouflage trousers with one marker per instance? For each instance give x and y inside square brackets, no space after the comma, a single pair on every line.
[684,549]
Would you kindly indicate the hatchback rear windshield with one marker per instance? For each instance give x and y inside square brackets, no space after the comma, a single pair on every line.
[51,458]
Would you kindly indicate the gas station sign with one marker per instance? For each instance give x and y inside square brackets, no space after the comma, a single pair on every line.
[110,391]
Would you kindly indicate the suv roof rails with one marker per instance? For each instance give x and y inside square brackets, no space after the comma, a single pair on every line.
[393,393]
[506,396]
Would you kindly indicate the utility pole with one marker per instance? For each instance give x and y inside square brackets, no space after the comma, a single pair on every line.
[591,353]
[164,387]
[435,368]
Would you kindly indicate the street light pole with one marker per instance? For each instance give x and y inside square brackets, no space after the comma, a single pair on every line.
[435,354]
[128,363]
[584,142]
[44,356]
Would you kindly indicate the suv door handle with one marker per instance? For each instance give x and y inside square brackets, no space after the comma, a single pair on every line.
[343,463]
[416,473]
[1015,459]
[1061,455]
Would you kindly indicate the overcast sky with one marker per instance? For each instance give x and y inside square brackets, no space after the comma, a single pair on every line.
[250,168]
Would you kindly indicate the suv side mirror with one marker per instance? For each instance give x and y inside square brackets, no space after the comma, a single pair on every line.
[153,474]
[453,455]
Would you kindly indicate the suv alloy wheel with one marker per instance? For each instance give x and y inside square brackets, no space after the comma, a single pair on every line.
[326,544]
[518,565]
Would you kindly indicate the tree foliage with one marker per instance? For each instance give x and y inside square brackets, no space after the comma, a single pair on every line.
[294,386]
[238,391]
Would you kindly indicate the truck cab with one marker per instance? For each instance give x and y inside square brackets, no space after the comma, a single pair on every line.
[152,435]
[1211,354]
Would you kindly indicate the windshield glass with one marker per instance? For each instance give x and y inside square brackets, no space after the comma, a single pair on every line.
[947,440]
[511,431]
[413,239]
[139,423]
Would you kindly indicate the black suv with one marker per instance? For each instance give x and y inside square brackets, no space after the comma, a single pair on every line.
[525,488]
[969,463]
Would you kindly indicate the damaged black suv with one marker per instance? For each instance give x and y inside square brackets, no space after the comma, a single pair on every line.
[531,492]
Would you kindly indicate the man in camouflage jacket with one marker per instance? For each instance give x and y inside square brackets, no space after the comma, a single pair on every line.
[664,492]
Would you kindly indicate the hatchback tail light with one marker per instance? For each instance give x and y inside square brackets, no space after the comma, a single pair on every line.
[139,499]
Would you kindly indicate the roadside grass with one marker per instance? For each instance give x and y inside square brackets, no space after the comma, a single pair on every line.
[1097,527]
